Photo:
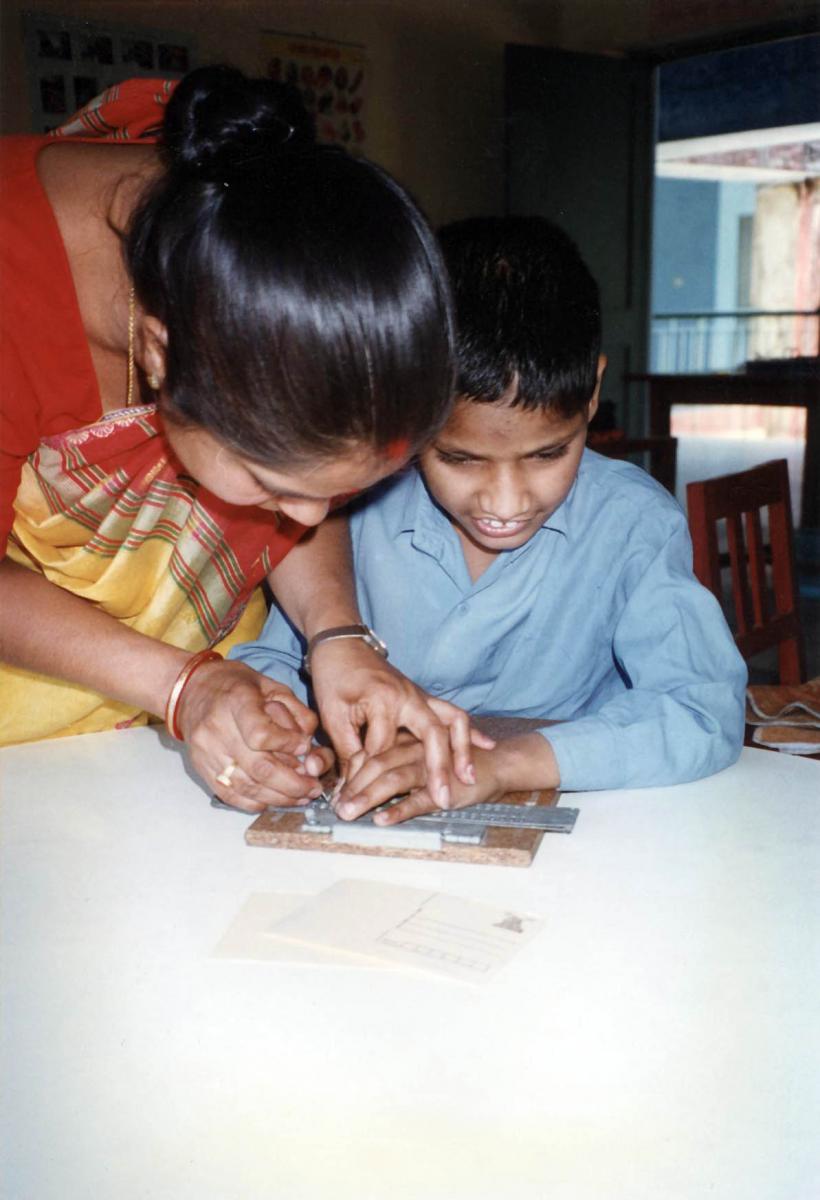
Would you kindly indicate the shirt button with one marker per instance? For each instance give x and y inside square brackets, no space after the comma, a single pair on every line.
[464,609]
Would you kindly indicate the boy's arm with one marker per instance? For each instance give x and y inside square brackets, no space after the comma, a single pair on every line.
[518,764]
[277,652]
[681,716]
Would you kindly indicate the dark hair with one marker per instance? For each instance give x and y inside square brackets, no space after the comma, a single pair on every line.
[305,299]
[526,308]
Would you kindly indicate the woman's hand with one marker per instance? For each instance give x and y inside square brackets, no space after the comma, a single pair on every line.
[230,714]
[355,688]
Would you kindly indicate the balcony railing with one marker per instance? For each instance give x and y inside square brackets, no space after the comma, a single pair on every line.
[696,343]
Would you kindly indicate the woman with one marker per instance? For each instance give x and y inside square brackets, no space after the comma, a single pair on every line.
[282,307]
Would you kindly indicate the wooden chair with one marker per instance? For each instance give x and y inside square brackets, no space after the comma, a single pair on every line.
[659,453]
[739,500]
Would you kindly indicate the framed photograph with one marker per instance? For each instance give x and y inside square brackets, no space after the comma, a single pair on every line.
[139,51]
[53,94]
[54,44]
[97,48]
[173,58]
[86,88]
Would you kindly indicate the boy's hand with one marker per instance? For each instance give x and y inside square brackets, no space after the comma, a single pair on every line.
[374,779]
[356,690]
[523,763]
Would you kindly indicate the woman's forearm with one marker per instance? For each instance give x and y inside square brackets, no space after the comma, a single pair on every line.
[314,583]
[51,631]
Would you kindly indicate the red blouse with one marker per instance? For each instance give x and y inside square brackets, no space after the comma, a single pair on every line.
[47,379]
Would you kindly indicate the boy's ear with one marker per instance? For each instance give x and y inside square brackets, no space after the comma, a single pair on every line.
[151,347]
[592,407]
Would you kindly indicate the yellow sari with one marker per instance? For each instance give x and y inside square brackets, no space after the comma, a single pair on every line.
[107,513]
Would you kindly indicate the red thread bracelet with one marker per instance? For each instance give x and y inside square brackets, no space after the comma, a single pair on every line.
[180,684]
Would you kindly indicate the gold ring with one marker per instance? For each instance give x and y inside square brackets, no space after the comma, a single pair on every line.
[226,774]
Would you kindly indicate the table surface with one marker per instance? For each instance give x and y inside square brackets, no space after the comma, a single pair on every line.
[659,1039]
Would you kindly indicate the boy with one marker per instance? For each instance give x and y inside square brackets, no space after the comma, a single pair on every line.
[515,572]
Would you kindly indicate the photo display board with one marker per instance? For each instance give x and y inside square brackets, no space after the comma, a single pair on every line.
[332,78]
[70,62]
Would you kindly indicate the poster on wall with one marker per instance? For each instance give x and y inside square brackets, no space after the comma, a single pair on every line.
[332,77]
[69,62]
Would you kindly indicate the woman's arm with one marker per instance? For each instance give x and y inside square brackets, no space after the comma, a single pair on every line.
[314,581]
[46,629]
[228,712]
[355,688]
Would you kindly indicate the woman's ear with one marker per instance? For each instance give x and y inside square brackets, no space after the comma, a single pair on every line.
[152,344]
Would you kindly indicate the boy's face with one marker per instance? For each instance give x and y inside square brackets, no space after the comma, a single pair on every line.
[500,472]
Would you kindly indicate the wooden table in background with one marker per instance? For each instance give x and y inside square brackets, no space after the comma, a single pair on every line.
[746,388]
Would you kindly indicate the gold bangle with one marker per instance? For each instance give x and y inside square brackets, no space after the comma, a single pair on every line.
[180,683]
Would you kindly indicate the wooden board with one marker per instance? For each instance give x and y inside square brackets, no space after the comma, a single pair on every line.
[501,847]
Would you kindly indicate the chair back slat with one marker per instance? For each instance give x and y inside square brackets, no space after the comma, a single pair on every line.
[737,566]
[784,573]
[761,608]
[766,615]
[703,528]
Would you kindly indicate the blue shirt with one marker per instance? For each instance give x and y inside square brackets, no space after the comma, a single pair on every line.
[597,621]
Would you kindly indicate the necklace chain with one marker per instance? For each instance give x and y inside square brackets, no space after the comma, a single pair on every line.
[132,322]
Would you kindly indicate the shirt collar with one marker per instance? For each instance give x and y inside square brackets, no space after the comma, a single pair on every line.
[560,521]
[409,515]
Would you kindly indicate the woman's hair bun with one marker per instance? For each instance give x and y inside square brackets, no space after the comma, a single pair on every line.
[219,122]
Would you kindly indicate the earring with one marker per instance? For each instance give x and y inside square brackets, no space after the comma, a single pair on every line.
[154,381]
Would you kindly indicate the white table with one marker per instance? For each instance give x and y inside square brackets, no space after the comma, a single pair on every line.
[660,1039]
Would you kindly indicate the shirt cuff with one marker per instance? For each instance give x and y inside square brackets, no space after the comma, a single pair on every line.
[587,754]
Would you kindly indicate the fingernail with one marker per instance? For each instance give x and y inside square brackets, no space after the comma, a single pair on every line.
[470,773]
[444,796]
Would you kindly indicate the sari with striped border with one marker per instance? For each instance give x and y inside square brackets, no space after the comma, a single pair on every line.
[107,513]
